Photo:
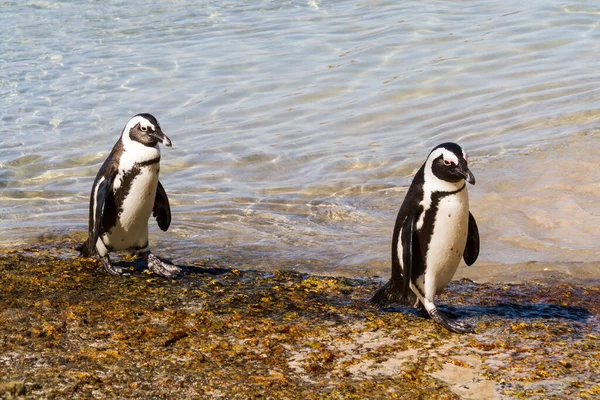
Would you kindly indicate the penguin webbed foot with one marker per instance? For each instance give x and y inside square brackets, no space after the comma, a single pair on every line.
[451,314]
[161,268]
[451,324]
[110,268]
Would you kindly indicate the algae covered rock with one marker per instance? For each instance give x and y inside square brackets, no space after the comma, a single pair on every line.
[68,330]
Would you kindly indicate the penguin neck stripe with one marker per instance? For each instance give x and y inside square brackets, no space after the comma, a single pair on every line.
[444,194]
[147,163]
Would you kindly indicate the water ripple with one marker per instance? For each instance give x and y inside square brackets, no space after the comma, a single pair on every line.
[297,125]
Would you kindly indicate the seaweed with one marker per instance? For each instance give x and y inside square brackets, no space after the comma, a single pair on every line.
[68,330]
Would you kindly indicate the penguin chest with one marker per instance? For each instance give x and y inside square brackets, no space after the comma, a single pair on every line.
[135,191]
[447,242]
[137,205]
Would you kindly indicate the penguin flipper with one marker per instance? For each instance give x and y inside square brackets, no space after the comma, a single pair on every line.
[407,255]
[99,200]
[472,247]
[162,210]
[397,290]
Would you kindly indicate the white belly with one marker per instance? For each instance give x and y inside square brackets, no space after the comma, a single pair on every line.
[131,229]
[447,242]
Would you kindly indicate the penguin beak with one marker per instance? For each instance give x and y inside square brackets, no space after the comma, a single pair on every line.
[161,137]
[466,173]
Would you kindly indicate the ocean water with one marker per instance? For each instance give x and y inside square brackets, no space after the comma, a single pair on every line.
[297,125]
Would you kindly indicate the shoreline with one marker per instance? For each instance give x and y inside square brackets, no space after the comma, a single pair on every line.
[576,273]
[67,329]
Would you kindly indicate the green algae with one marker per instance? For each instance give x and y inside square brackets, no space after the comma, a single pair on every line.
[68,330]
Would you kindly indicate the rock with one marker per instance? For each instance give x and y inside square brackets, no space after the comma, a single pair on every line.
[14,388]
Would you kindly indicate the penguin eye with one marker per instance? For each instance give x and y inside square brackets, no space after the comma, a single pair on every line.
[143,128]
[447,163]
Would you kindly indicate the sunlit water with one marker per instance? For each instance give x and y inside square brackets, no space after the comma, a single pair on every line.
[297,126]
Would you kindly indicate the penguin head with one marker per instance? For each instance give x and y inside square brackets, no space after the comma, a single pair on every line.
[144,129]
[449,163]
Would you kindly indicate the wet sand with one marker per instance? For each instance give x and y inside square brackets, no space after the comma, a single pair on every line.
[68,330]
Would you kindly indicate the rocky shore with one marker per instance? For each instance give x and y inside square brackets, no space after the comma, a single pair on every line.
[68,330]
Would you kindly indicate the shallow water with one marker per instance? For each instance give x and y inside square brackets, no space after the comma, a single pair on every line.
[297,126]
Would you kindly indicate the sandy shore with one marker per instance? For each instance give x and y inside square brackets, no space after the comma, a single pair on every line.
[67,330]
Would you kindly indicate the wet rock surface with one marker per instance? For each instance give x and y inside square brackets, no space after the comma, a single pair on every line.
[69,330]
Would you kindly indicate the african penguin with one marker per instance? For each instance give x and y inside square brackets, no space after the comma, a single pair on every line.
[125,192]
[433,230]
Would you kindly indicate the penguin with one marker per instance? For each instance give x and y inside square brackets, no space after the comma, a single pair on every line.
[434,229]
[124,194]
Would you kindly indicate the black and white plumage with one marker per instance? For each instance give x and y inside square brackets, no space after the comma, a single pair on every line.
[125,192]
[433,230]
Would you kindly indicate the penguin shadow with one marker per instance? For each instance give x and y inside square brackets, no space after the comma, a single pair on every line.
[516,311]
[505,310]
